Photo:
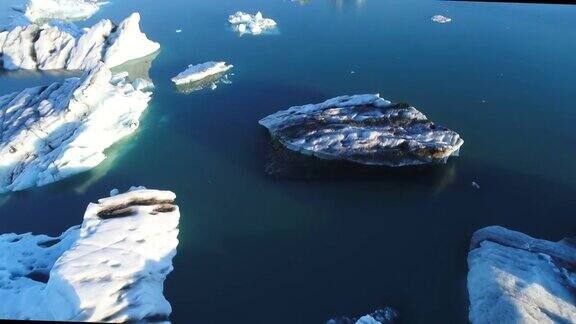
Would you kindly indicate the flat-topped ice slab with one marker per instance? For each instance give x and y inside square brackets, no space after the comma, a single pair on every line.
[64,46]
[514,278]
[43,10]
[363,129]
[256,24]
[109,269]
[198,72]
[48,133]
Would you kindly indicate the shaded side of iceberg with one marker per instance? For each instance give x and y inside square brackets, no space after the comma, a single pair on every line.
[51,132]
[109,269]
[63,46]
[514,278]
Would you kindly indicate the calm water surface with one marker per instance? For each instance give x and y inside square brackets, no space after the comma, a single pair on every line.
[261,249]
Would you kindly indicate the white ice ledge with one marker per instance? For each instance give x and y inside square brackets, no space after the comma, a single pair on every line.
[109,269]
[41,10]
[514,278]
[64,46]
[51,132]
[245,23]
[200,71]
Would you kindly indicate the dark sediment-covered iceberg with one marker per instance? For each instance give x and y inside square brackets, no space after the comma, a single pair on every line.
[364,129]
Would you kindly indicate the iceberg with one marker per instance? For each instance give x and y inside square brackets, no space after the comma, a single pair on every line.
[364,129]
[441,19]
[43,10]
[48,133]
[111,268]
[380,316]
[200,71]
[63,46]
[245,23]
[514,278]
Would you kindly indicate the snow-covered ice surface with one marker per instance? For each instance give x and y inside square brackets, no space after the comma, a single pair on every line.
[212,82]
[48,133]
[514,278]
[63,46]
[441,19]
[380,316]
[364,129]
[110,269]
[245,23]
[43,10]
[200,71]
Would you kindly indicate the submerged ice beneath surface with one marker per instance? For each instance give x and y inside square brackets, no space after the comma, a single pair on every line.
[245,23]
[51,132]
[41,10]
[64,46]
[514,278]
[380,316]
[200,71]
[109,269]
[364,129]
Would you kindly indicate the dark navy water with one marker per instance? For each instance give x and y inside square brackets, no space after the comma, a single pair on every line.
[256,248]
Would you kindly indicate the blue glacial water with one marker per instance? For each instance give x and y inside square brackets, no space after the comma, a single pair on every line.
[261,249]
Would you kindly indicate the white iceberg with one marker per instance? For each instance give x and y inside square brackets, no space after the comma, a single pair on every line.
[110,269]
[39,10]
[251,24]
[200,71]
[63,46]
[514,278]
[441,19]
[51,132]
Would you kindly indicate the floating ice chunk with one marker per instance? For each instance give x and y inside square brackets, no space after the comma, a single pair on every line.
[64,46]
[50,133]
[441,19]
[514,278]
[364,129]
[200,71]
[178,30]
[380,316]
[251,24]
[128,43]
[109,269]
[38,10]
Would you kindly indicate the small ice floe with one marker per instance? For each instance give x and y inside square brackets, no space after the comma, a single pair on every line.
[200,71]
[114,192]
[111,268]
[256,24]
[441,19]
[475,185]
[43,10]
[212,82]
[380,316]
[55,131]
[178,30]
[515,278]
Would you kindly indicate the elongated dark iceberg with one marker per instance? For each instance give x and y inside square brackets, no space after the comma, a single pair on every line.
[364,129]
